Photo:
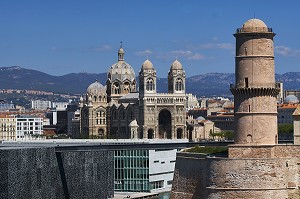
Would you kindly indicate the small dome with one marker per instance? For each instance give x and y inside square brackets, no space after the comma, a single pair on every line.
[133,123]
[255,25]
[200,118]
[176,65]
[96,88]
[291,99]
[147,65]
[121,51]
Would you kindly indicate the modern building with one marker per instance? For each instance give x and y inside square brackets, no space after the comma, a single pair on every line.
[107,111]
[144,170]
[41,104]
[60,105]
[28,127]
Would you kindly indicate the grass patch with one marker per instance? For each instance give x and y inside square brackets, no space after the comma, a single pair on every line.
[208,149]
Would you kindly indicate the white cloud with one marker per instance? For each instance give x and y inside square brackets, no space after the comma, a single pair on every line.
[196,56]
[143,53]
[181,54]
[287,51]
[102,48]
[225,46]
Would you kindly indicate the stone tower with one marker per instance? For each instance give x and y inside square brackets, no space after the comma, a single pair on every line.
[176,78]
[255,91]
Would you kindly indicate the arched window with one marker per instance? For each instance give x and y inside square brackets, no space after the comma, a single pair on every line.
[179,85]
[126,87]
[150,86]
[116,88]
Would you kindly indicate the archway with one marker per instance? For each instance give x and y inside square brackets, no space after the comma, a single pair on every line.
[179,133]
[150,134]
[100,133]
[164,124]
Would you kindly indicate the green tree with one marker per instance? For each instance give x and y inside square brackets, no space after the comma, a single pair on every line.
[285,128]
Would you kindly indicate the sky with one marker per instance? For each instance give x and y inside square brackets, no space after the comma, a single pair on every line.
[71,36]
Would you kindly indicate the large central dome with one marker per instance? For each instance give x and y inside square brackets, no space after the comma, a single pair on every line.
[121,70]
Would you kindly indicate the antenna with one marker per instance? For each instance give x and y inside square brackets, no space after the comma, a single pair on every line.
[121,44]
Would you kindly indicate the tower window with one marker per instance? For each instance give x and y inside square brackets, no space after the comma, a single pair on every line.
[245,50]
[246,82]
[150,85]
[179,85]
[249,108]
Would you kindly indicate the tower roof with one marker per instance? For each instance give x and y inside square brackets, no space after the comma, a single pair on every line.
[147,65]
[176,65]
[254,25]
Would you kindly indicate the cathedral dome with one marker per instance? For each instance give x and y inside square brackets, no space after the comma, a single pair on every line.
[96,88]
[121,70]
[291,99]
[254,25]
[176,65]
[147,65]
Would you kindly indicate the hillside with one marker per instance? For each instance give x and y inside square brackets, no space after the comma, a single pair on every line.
[211,84]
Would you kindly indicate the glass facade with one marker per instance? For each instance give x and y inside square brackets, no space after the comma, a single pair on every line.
[131,170]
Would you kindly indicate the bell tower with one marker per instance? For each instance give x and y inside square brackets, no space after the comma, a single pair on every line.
[255,90]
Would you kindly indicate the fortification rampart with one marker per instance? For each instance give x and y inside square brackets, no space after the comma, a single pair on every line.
[197,176]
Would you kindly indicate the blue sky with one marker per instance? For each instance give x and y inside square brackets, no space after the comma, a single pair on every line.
[70,36]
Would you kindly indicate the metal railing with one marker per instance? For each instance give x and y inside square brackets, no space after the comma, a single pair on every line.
[266,85]
[254,29]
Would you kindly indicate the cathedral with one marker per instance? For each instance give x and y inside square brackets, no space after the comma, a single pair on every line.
[123,109]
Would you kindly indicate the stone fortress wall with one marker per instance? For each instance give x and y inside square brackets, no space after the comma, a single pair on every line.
[40,172]
[199,176]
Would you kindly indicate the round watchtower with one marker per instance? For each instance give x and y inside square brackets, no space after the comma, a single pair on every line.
[255,90]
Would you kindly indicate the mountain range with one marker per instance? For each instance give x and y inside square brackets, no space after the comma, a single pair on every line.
[210,84]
